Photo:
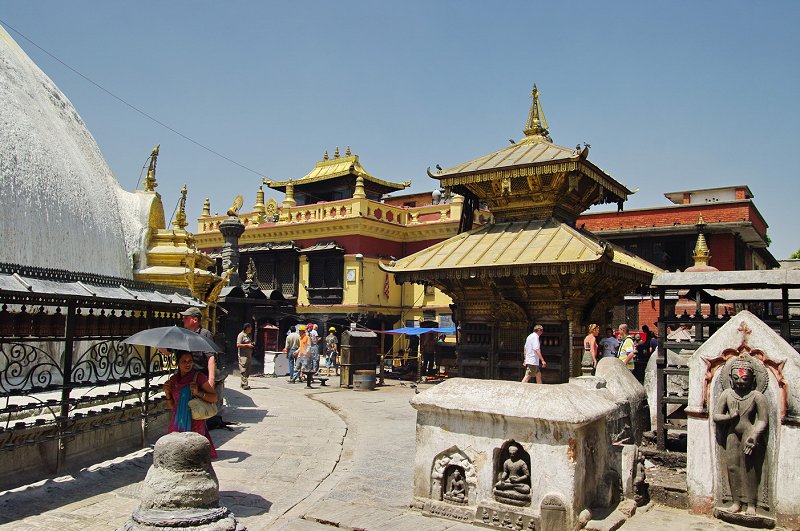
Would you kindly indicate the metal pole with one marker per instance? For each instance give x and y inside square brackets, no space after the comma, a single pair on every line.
[661,384]
[63,418]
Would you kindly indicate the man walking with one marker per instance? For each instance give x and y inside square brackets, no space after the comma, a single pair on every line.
[533,360]
[332,349]
[303,361]
[291,346]
[314,346]
[627,347]
[244,344]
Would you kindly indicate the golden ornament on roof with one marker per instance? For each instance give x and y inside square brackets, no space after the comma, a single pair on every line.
[237,204]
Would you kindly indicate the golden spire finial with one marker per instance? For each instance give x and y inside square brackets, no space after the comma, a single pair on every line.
[359,192]
[701,253]
[259,207]
[347,152]
[206,207]
[325,155]
[150,183]
[180,217]
[288,201]
[336,153]
[536,126]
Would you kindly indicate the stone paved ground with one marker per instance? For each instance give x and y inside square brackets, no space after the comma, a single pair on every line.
[299,460]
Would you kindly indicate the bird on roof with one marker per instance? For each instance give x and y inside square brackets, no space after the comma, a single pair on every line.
[511,140]
[438,167]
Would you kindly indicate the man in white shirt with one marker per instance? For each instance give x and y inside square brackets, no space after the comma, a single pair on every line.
[609,344]
[534,362]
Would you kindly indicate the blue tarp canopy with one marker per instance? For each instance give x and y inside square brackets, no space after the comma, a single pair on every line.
[412,331]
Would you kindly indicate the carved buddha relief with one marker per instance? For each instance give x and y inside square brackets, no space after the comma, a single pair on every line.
[512,475]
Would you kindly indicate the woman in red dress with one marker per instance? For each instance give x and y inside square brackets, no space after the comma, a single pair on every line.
[181,387]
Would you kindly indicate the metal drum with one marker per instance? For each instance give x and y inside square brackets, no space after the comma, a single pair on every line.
[364,380]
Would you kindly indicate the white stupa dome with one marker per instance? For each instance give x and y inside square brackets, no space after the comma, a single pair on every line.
[60,205]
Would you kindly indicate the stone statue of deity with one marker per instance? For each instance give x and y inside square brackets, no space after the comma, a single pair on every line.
[742,413]
[456,487]
[513,480]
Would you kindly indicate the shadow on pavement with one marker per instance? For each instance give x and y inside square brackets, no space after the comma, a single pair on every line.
[231,456]
[243,504]
[58,492]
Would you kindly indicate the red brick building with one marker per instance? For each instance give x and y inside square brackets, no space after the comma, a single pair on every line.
[734,229]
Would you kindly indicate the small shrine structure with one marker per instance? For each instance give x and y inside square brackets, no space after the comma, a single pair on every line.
[530,264]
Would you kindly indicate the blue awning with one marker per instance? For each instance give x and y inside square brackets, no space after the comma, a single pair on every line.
[412,331]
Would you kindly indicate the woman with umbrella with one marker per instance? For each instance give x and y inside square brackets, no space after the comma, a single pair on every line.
[182,386]
[187,382]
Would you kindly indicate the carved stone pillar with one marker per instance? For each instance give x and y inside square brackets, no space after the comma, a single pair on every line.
[231,230]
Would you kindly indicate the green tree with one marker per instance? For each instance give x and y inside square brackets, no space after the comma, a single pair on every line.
[795,255]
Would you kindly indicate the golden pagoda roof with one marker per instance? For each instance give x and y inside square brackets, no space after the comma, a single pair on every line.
[517,244]
[534,154]
[331,168]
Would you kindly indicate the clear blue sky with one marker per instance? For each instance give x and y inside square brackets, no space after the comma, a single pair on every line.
[670,95]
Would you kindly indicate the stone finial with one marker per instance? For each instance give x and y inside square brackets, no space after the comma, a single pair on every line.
[325,155]
[359,192]
[180,217]
[536,126]
[347,152]
[150,183]
[181,489]
[259,207]
[206,207]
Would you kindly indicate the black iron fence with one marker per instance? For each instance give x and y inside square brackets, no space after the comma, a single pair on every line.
[64,370]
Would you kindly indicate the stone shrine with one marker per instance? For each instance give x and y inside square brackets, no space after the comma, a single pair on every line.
[536,461]
[743,426]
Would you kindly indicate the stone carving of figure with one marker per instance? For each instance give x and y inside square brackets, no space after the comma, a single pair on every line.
[456,489]
[513,481]
[742,413]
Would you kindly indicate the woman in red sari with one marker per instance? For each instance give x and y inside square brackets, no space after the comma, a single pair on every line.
[182,386]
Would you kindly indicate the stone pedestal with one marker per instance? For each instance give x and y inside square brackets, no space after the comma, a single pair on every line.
[776,366]
[231,230]
[494,433]
[181,491]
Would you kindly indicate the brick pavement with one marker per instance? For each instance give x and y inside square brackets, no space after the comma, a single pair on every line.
[299,460]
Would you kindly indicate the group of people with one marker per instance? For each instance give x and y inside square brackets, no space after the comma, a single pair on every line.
[624,345]
[303,345]
[198,375]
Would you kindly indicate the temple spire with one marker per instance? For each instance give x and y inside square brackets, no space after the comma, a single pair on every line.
[536,126]
[150,183]
[180,217]
[206,207]
[701,253]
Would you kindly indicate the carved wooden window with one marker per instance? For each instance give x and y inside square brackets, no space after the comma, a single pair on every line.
[277,271]
[326,271]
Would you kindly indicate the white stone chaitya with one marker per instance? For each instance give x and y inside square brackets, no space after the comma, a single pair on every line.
[61,205]
[779,366]
[470,425]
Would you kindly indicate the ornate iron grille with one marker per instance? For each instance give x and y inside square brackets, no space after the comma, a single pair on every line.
[62,359]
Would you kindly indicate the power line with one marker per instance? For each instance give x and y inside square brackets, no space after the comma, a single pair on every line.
[130,105]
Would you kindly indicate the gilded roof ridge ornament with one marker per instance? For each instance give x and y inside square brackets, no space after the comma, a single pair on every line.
[347,152]
[325,155]
[336,153]
[536,126]
[150,183]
